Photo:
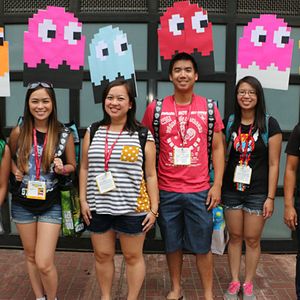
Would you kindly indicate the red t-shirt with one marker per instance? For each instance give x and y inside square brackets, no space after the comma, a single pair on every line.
[193,124]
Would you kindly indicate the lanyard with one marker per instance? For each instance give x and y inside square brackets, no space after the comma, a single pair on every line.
[108,152]
[186,125]
[38,160]
[244,157]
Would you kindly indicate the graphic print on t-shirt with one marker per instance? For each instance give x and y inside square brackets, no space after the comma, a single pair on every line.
[187,133]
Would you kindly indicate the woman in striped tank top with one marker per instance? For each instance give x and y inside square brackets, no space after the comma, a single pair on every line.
[117,197]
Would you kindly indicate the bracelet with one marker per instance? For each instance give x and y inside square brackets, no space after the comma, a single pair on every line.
[271,198]
[156,214]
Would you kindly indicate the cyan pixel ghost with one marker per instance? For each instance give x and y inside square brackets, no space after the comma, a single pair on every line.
[110,58]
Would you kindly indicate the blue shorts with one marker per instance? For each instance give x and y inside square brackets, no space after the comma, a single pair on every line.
[184,222]
[252,204]
[101,223]
[21,215]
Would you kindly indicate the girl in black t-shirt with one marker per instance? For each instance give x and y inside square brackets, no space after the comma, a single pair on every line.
[250,180]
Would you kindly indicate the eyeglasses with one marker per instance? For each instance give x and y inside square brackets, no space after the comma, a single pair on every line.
[33,85]
[251,93]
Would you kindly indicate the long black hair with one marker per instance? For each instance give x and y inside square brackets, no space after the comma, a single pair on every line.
[132,124]
[260,108]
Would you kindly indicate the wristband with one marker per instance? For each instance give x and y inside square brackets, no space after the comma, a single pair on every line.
[271,198]
[156,214]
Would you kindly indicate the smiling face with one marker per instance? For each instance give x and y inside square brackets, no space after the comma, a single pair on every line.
[40,105]
[117,103]
[183,76]
[246,97]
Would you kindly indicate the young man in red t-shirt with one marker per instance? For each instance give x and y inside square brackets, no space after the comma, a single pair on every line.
[186,198]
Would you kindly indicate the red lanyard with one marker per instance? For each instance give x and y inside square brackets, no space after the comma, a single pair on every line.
[108,152]
[186,125]
[244,158]
[38,160]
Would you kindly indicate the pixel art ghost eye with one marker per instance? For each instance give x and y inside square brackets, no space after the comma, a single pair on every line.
[199,22]
[258,36]
[102,50]
[176,24]
[120,45]
[281,37]
[72,33]
[54,48]
[47,31]
[1,38]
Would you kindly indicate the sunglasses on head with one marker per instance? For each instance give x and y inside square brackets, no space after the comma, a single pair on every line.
[33,85]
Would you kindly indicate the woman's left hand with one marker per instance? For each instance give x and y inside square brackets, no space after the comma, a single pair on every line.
[148,222]
[268,208]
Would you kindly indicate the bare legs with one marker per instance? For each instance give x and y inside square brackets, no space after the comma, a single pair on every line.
[205,269]
[243,226]
[132,248]
[39,241]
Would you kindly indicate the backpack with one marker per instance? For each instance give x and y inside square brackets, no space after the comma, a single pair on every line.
[210,127]
[142,132]
[2,149]
[228,134]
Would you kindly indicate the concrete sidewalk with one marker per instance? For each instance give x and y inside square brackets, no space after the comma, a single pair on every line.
[77,280]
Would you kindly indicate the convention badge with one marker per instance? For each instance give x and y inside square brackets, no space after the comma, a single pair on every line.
[105,182]
[36,190]
[182,156]
[242,174]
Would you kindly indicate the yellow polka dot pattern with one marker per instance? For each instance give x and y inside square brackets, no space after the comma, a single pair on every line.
[130,153]
[143,201]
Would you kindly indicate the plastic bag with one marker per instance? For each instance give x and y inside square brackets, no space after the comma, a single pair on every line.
[219,236]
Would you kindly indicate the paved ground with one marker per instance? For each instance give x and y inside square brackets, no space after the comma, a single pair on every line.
[274,280]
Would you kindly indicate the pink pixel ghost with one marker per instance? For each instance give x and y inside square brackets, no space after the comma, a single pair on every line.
[54,43]
[265,52]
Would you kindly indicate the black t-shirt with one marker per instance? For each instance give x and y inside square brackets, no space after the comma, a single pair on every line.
[18,189]
[259,161]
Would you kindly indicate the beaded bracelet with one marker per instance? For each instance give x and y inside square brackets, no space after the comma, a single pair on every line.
[156,214]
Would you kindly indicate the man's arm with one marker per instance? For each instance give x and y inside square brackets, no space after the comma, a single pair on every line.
[218,158]
[290,214]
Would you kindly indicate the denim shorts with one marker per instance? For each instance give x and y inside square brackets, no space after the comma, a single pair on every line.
[101,223]
[21,215]
[184,222]
[251,203]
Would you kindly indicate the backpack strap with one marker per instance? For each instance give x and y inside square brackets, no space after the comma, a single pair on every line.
[94,127]
[2,149]
[156,123]
[64,134]
[210,129]
[228,138]
[265,135]
[74,130]
[143,134]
